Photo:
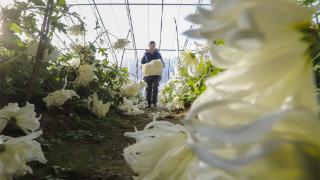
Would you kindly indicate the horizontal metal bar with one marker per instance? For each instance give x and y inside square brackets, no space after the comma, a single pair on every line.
[141,49]
[137,4]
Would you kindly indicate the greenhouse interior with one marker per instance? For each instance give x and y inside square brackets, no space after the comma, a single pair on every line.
[160,90]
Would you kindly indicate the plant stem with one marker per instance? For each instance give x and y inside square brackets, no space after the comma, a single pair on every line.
[40,52]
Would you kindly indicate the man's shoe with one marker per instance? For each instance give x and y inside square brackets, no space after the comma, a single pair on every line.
[149,106]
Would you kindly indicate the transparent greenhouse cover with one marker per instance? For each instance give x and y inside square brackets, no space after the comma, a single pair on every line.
[146,21]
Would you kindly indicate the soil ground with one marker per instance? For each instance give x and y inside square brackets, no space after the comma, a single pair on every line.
[87,147]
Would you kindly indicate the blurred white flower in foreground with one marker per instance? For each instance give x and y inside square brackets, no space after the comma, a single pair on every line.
[15,153]
[85,75]
[59,97]
[97,106]
[263,104]
[258,119]
[160,152]
[121,44]
[132,89]
[24,117]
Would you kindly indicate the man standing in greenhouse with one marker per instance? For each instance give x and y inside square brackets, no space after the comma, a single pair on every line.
[152,65]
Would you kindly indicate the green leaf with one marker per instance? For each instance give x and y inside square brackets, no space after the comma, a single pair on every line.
[61,3]
[15,28]
[219,42]
[38,2]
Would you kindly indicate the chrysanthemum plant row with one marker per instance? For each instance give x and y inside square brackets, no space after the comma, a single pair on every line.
[72,75]
[188,81]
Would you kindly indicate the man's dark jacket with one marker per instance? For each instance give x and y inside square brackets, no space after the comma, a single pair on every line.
[148,57]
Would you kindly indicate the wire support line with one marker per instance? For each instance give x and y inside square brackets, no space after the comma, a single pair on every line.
[191,26]
[115,18]
[174,38]
[97,22]
[124,49]
[105,29]
[177,34]
[133,37]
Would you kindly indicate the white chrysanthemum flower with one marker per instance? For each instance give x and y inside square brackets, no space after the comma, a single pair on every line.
[24,117]
[15,153]
[263,102]
[175,104]
[97,106]
[59,97]
[249,80]
[33,48]
[86,53]
[190,61]
[171,99]
[188,58]
[163,97]
[181,88]
[129,107]
[160,152]
[77,30]
[121,44]
[132,89]
[153,68]
[135,110]
[142,104]
[85,75]
[248,29]
[6,113]
[75,62]
[203,50]
[160,114]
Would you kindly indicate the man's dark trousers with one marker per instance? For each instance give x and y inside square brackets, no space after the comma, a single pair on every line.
[152,89]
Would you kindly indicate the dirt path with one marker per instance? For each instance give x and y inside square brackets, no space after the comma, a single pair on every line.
[87,147]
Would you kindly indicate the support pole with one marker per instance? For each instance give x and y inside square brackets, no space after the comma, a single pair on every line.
[161,22]
[177,33]
[41,46]
[124,49]
[133,38]
[169,68]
